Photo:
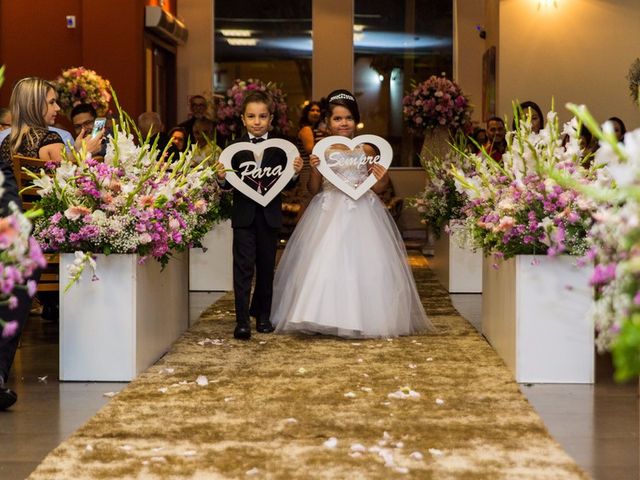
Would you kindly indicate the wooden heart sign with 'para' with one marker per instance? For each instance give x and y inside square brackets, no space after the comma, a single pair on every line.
[258,174]
[342,153]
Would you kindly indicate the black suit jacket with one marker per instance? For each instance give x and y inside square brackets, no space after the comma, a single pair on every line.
[244,209]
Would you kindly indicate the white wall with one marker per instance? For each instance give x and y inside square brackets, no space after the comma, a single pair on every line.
[579,51]
[195,58]
[468,49]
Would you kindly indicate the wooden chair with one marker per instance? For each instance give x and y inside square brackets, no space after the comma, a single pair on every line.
[49,283]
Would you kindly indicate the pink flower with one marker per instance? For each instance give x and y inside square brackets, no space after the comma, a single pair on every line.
[8,232]
[9,329]
[75,212]
[174,224]
[200,206]
[506,223]
[32,287]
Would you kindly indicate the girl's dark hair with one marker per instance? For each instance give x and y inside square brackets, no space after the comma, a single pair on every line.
[533,106]
[343,98]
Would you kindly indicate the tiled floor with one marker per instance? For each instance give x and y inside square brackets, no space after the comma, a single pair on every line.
[597,425]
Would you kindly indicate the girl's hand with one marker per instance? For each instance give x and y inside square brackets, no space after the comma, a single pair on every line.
[314,161]
[297,164]
[378,171]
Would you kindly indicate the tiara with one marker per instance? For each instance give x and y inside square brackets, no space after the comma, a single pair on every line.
[342,96]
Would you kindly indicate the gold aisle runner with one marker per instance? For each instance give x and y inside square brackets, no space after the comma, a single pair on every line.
[310,407]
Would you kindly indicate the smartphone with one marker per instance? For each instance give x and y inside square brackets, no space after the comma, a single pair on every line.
[98,125]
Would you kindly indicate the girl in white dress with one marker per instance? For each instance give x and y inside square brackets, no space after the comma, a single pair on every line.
[344,271]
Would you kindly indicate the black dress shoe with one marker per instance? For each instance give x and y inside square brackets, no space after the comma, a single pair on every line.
[242,331]
[7,398]
[263,325]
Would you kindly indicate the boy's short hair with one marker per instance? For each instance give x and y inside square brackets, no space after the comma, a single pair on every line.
[257,96]
[83,108]
[495,119]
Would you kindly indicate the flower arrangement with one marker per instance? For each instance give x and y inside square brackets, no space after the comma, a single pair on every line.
[129,203]
[436,102]
[634,81]
[440,202]
[20,256]
[515,208]
[80,85]
[228,108]
[615,244]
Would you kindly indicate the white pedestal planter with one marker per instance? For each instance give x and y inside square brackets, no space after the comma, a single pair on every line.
[114,328]
[537,318]
[212,270]
[459,270]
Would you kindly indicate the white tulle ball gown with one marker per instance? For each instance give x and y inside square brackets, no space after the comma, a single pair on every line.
[344,271]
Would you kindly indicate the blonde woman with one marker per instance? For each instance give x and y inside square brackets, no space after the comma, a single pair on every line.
[34,109]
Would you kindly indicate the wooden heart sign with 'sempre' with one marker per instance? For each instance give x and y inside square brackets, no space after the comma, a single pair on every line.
[255,174]
[352,156]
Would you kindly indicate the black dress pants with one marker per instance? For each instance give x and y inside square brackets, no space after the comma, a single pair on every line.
[8,346]
[254,249]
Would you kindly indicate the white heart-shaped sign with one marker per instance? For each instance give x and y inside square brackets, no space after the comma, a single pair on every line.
[350,157]
[269,180]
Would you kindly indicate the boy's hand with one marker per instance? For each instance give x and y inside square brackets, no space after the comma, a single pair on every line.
[220,171]
[297,164]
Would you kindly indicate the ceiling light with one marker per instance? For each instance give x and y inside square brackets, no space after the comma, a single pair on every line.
[358,28]
[235,32]
[242,42]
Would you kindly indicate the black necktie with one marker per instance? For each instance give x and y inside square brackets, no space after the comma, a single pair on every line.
[257,140]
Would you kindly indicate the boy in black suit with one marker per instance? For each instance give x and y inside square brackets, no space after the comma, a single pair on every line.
[255,228]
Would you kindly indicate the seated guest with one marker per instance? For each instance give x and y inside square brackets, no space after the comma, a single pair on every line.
[83,117]
[618,127]
[586,144]
[203,133]
[537,119]
[151,126]
[496,143]
[311,128]
[66,137]
[178,137]
[480,136]
[5,119]
[198,109]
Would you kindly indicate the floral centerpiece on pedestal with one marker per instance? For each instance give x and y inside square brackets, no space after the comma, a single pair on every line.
[438,109]
[615,245]
[80,85]
[515,207]
[20,256]
[134,201]
[229,108]
[436,102]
